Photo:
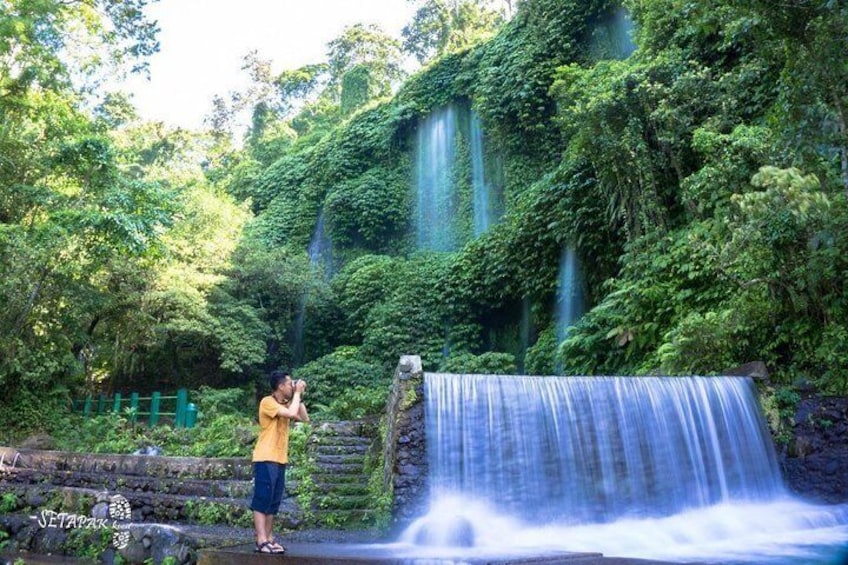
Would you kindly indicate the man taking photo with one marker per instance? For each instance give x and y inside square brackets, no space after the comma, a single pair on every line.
[271,454]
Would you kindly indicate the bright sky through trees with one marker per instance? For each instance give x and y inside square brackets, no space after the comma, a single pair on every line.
[203,43]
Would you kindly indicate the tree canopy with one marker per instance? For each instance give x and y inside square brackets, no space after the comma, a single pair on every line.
[701,180]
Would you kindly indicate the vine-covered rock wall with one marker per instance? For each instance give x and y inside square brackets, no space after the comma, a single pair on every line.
[405,454]
[815,461]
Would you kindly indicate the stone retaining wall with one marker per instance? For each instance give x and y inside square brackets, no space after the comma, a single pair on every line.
[815,462]
[404,452]
[139,465]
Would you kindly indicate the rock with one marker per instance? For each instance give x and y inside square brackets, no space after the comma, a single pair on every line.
[815,463]
[34,498]
[108,556]
[50,540]
[754,369]
[100,510]
[148,450]
[134,552]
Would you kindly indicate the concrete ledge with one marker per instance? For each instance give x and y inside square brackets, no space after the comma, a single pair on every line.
[387,554]
[141,465]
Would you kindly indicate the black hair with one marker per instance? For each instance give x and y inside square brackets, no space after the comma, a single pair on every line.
[276,377]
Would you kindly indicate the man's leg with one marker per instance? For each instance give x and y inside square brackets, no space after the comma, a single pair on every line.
[269,528]
[279,487]
[259,524]
[262,494]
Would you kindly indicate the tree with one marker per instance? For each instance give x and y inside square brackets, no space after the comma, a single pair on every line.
[807,39]
[442,26]
[367,46]
[50,42]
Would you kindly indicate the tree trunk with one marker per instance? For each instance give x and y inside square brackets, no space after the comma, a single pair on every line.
[843,149]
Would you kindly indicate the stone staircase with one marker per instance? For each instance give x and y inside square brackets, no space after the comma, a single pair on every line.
[183,490]
[342,454]
[54,502]
[191,502]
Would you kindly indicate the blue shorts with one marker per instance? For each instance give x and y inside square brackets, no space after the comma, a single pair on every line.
[269,483]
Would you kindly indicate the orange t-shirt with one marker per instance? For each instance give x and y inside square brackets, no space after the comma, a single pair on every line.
[273,442]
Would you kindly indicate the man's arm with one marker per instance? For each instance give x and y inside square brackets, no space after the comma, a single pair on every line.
[302,414]
[291,411]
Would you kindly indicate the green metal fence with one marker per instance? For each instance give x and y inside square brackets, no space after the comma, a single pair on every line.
[183,412]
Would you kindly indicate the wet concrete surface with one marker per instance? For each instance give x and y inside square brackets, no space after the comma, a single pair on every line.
[388,554]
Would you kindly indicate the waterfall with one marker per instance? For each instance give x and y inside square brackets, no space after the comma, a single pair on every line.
[320,248]
[436,196]
[613,37]
[453,174]
[525,327]
[598,448]
[571,300]
[320,251]
[681,468]
[485,213]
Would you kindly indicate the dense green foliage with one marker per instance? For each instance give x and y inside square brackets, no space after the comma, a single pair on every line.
[702,180]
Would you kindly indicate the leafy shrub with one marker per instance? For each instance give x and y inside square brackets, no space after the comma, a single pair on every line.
[359,402]
[214,402]
[336,375]
[540,358]
[489,363]
[216,435]
[362,284]
[370,211]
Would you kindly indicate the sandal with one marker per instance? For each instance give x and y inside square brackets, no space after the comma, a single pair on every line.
[280,548]
[267,547]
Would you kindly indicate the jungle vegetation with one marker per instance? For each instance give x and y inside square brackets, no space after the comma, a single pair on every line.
[701,178]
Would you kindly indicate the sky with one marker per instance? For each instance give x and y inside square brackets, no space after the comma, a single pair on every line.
[202,43]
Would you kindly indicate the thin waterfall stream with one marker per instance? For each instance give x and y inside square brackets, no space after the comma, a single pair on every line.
[675,468]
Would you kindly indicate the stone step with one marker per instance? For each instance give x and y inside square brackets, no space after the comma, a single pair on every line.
[316,442]
[323,460]
[343,489]
[340,449]
[340,469]
[343,502]
[333,517]
[323,478]
[196,487]
[343,429]
[136,465]
[146,543]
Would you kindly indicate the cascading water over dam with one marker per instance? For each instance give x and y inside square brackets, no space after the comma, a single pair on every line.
[678,468]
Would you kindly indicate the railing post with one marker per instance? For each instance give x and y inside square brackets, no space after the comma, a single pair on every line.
[86,409]
[182,400]
[191,415]
[101,404]
[116,407]
[134,406]
[154,408]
